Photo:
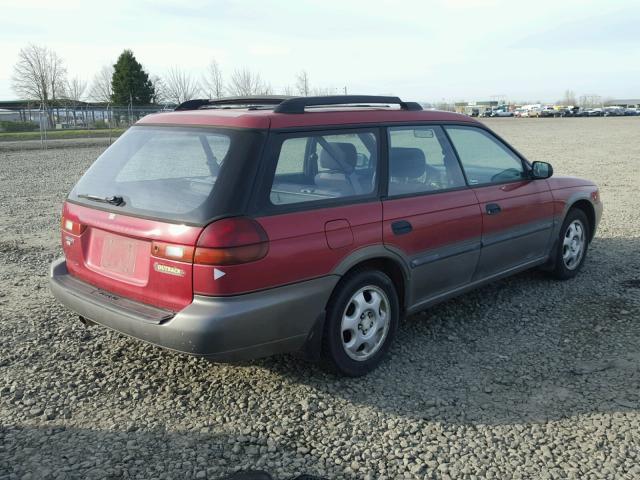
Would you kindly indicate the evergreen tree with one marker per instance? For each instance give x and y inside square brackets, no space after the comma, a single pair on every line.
[130,83]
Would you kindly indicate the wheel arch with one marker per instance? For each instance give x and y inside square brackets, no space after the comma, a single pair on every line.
[376,257]
[384,259]
[587,207]
[578,200]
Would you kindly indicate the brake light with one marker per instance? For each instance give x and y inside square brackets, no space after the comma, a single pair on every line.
[231,241]
[72,227]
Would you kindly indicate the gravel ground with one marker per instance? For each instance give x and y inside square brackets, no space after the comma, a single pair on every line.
[525,378]
[22,145]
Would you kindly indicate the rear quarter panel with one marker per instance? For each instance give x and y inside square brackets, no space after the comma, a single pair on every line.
[298,249]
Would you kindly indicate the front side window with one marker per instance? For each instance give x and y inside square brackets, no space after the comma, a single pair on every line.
[484,158]
[323,167]
[421,160]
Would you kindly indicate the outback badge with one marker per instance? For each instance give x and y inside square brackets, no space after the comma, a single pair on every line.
[159,267]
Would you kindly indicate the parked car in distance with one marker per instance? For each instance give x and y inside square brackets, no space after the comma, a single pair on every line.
[571,111]
[535,112]
[238,228]
[613,112]
[631,112]
[594,112]
[500,112]
[549,111]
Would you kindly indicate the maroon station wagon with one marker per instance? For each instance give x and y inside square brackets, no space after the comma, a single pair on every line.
[243,227]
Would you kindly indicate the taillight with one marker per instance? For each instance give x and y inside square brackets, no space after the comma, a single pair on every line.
[179,253]
[231,241]
[72,227]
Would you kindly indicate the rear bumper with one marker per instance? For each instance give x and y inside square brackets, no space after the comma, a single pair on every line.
[231,328]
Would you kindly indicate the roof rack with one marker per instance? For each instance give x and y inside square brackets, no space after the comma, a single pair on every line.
[298,104]
[286,104]
[249,101]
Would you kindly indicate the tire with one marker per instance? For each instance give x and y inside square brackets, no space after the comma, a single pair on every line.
[358,350]
[572,246]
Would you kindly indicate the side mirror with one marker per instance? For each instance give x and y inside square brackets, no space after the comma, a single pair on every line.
[541,170]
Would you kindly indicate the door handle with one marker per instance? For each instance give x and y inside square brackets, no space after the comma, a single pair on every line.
[493,208]
[401,227]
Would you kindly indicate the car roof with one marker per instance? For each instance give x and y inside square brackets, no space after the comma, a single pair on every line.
[268,119]
[283,112]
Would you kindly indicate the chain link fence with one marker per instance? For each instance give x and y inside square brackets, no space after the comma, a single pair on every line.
[35,124]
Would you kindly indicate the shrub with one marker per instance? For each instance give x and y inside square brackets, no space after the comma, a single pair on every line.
[7,126]
[100,124]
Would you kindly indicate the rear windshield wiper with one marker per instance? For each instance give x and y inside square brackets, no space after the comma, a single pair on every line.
[113,200]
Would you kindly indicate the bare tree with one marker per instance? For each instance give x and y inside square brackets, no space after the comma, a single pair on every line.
[288,90]
[74,93]
[212,80]
[244,83]
[180,86]
[74,90]
[591,100]
[266,89]
[569,98]
[159,90]
[100,90]
[39,75]
[322,91]
[302,83]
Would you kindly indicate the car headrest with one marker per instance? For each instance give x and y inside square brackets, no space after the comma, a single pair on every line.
[349,157]
[406,162]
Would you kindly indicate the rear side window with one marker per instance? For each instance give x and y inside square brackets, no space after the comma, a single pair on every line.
[421,160]
[169,173]
[484,158]
[313,168]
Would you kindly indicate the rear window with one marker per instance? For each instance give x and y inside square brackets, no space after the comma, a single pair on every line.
[169,173]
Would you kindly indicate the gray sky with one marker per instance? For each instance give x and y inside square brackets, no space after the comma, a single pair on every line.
[420,50]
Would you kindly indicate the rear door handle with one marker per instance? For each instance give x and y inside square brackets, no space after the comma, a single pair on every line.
[493,208]
[401,227]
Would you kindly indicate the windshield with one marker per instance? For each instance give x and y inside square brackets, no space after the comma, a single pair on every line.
[168,173]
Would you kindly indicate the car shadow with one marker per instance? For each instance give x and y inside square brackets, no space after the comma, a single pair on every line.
[524,349]
[56,451]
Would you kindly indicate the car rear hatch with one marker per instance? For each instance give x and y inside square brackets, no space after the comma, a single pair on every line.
[131,224]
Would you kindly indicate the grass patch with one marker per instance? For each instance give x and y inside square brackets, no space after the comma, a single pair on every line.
[60,134]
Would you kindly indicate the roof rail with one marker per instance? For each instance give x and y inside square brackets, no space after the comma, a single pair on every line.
[298,104]
[287,104]
[257,100]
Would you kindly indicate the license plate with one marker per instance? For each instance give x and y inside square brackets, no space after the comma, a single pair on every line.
[118,255]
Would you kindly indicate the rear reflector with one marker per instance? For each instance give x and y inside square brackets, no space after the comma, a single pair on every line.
[72,227]
[231,241]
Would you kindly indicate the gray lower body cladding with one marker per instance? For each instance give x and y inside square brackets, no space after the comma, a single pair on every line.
[231,328]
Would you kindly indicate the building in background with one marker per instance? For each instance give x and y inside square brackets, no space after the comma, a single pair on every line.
[623,102]
[475,108]
[9,115]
